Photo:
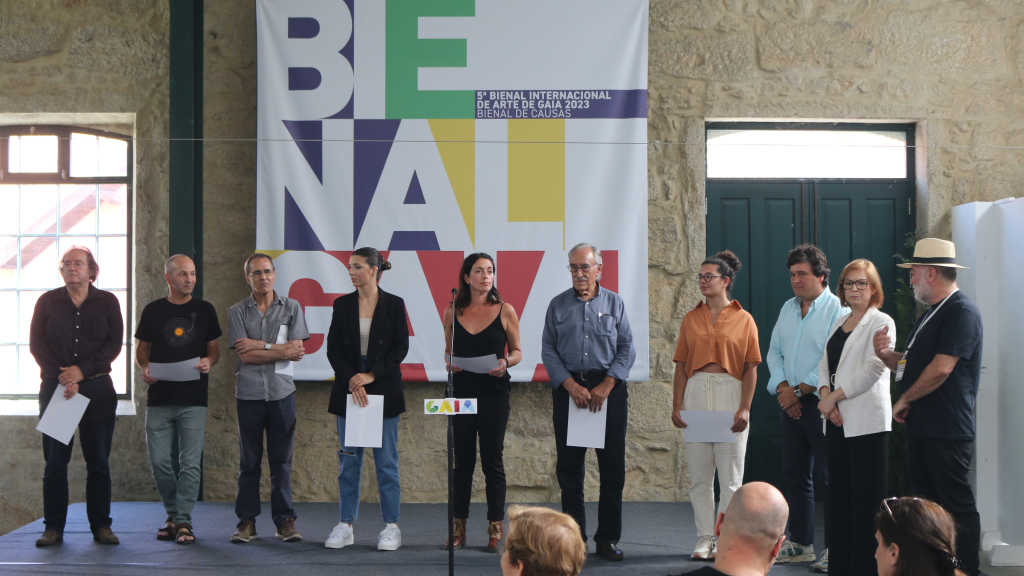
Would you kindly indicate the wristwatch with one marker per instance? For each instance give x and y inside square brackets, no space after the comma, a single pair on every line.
[798,392]
[266,345]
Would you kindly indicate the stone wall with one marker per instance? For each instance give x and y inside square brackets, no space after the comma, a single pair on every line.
[954,68]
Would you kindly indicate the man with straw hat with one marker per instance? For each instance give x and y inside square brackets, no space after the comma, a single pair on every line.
[938,375]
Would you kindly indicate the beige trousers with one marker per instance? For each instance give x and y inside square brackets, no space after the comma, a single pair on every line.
[705,391]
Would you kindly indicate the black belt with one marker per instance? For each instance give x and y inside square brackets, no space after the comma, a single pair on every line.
[588,376]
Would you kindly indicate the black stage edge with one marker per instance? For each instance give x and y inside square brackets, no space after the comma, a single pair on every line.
[657,539]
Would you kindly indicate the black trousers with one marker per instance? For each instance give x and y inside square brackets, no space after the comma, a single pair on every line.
[611,462]
[96,432]
[489,424]
[938,470]
[803,450]
[858,470]
[276,419]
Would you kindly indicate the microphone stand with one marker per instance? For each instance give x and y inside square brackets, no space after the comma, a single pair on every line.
[450,393]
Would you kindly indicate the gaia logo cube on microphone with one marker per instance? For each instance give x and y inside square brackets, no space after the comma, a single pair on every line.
[450,406]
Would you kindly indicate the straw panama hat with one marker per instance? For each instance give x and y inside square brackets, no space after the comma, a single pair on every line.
[933,252]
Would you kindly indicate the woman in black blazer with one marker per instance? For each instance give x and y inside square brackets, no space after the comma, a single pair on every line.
[366,344]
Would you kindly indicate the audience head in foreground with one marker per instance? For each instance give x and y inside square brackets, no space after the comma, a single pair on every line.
[750,532]
[542,542]
[915,537]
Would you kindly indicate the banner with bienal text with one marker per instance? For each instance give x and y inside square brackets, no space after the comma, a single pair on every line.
[432,130]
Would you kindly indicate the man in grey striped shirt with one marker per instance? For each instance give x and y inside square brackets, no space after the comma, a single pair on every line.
[267,331]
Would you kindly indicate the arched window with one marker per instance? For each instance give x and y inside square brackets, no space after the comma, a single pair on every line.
[59,186]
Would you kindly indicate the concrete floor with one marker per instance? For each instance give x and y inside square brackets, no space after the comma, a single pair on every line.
[657,540]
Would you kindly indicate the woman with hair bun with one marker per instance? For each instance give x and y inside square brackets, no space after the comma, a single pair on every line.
[366,344]
[916,537]
[716,370]
[483,325]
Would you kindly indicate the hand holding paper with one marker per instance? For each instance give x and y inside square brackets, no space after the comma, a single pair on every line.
[586,429]
[707,426]
[62,415]
[478,365]
[364,425]
[184,371]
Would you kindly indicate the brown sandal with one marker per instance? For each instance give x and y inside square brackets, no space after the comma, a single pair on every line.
[183,534]
[166,532]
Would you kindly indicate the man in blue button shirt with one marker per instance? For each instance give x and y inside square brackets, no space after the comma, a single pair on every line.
[587,348]
[797,345]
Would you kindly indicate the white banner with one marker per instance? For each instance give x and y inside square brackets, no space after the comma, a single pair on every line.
[432,130]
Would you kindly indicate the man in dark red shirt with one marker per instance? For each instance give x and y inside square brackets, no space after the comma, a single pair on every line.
[76,332]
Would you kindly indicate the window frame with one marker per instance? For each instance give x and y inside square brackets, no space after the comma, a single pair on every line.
[908,128]
[63,177]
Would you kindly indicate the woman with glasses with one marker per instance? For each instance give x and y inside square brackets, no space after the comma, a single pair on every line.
[483,326]
[716,370]
[915,537]
[858,414]
[367,341]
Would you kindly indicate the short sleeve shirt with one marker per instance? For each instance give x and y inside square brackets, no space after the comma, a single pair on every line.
[262,381]
[730,342]
[955,330]
[175,333]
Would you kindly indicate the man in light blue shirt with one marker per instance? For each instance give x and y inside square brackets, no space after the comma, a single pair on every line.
[797,345]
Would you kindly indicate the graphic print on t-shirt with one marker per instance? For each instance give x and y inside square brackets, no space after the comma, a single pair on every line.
[179,331]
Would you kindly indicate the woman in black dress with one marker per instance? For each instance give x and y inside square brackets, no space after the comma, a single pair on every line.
[484,325]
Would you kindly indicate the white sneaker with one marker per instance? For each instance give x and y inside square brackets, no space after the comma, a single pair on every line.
[705,549]
[822,564]
[340,537]
[794,552]
[390,538]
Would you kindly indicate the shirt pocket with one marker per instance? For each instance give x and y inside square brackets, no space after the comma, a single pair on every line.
[606,324]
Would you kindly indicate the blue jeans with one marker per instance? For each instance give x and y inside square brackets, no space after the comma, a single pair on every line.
[188,424]
[389,486]
[803,449]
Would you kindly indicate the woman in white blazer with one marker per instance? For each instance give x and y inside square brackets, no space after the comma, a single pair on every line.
[856,405]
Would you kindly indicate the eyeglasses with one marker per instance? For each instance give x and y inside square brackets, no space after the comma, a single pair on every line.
[706,277]
[584,268]
[860,284]
[885,504]
[261,273]
[75,264]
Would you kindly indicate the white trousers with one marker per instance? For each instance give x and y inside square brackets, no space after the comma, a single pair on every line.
[705,391]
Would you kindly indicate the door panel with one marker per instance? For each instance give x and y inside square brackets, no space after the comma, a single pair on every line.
[761,221]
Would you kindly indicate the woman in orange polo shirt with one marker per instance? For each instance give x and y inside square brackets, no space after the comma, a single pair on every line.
[716,370]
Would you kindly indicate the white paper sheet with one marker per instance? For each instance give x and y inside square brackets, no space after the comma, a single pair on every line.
[184,371]
[286,367]
[479,365]
[708,426]
[62,416]
[586,428]
[364,427]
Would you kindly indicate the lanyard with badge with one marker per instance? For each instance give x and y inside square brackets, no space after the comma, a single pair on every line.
[931,313]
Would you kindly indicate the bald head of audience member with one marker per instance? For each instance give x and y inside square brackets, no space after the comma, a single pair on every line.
[180,273]
[751,530]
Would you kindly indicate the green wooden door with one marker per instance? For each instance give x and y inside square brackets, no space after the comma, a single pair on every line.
[761,221]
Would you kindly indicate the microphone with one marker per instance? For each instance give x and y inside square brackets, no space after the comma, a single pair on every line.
[455,291]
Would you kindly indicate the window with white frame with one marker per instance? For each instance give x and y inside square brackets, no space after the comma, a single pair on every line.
[59,186]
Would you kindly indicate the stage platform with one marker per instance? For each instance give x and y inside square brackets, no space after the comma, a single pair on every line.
[657,539]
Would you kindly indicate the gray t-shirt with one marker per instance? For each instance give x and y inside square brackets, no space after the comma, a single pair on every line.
[261,381]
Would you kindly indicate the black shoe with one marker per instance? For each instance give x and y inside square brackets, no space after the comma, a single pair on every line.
[610,552]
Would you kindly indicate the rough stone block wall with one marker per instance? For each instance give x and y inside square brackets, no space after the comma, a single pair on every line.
[952,67]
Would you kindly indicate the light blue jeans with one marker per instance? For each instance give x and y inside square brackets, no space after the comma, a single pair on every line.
[188,423]
[350,461]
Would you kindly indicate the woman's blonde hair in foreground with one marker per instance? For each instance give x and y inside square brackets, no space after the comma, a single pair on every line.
[544,542]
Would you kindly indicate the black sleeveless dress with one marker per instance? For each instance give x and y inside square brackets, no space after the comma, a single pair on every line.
[490,340]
